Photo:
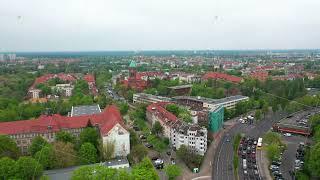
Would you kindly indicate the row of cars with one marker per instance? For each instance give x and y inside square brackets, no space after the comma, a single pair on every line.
[298,163]
[247,152]
[249,119]
[275,170]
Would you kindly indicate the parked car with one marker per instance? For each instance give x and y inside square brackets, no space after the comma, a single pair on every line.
[149,145]
[173,161]
[287,134]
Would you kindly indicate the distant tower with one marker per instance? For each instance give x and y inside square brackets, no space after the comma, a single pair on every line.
[132,69]
[132,74]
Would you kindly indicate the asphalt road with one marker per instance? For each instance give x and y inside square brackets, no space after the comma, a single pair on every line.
[224,155]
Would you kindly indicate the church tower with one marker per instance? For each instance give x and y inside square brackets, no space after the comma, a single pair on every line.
[132,70]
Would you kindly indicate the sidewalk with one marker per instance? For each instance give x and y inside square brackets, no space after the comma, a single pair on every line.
[263,163]
[206,166]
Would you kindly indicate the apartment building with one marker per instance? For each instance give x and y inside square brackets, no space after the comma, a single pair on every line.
[179,133]
[201,102]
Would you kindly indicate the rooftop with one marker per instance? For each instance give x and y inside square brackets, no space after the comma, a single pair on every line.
[133,64]
[153,96]
[212,101]
[116,162]
[106,120]
[181,86]
[223,76]
[85,110]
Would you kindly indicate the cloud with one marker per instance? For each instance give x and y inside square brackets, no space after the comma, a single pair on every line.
[46,25]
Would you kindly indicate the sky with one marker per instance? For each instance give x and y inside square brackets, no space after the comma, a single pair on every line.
[108,25]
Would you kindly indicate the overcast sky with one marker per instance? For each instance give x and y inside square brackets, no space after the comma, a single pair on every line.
[89,25]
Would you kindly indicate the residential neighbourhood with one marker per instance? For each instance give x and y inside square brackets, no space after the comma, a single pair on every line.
[191,120]
[159,90]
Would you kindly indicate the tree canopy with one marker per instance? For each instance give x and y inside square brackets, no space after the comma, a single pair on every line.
[87,153]
[37,144]
[8,147]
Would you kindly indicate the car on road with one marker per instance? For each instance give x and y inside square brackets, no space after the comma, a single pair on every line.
[173,161]
[276,163]
[287,134]
[245,172]
[149,145]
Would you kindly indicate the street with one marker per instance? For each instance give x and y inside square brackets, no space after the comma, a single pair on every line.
[224,158]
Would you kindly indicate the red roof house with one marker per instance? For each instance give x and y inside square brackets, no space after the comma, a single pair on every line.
[222,76]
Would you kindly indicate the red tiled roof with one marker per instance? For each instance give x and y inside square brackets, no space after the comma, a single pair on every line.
[223,76]
[264,67]
[106,120]
[260,75]
[47,77]
[89,78]
[160,110]
[150,73]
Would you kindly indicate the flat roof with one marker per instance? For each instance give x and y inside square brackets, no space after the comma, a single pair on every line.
[212,101]
[181,86]
[85,110]
[116,162]
[152,96]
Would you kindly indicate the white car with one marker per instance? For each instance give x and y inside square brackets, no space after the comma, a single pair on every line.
[287,134]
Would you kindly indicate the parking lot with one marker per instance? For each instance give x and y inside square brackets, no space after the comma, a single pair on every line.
[289,155]
[297,123]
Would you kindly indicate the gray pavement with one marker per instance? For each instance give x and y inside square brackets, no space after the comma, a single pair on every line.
[263,164]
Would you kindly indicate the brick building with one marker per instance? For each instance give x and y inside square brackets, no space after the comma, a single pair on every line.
[109,123]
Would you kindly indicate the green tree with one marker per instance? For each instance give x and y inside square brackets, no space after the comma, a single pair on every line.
[94,173]
[157,128]
[46,157]
[28,168]
[172,171]
[7,168]
[46,90]
[8,148]
[37,144]
[139,151]
[186,117]
[65,137]
[273,152]
[108,150]
[87,153]
[124,107]
[182,151]
[174,109]
[90,135]
[257,114]
[145,170]
[123,175]
[313,161]
[65,154]
[265,109]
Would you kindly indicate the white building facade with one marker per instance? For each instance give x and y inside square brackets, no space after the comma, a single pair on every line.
[121,139]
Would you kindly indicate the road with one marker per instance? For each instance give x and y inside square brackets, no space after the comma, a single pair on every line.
[224,158]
